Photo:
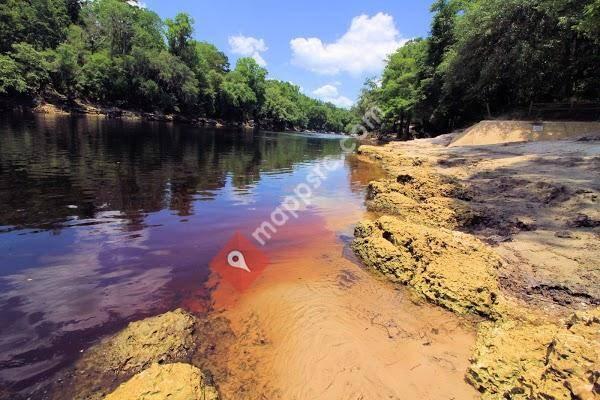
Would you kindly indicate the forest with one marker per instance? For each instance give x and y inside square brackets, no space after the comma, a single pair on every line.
[116,53]
[489,59]
[482,59]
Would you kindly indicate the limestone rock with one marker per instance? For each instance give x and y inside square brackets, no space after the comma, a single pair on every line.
[435,211]
[419,185]
[170,381]
[164,338]
[450,268]
[538,361]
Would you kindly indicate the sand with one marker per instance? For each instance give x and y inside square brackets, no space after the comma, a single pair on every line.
[319,326]
[496,132]
[532,209]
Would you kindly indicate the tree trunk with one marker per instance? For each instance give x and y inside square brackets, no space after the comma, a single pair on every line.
[399,131]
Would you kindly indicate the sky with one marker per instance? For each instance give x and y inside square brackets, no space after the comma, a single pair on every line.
[326,47]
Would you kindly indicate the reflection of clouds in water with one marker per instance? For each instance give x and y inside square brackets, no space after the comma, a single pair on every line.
[239,197]
[113,232]
[75,292]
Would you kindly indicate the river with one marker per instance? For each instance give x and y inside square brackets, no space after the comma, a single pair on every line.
[103,222]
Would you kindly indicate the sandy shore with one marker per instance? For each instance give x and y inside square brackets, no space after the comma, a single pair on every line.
[509,232]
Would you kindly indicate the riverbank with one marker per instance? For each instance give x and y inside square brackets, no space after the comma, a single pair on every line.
[447,222]
[508,232]
[85,108]
[316,324]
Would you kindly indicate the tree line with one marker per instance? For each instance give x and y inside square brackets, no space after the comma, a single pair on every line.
[488,57]
[113,52]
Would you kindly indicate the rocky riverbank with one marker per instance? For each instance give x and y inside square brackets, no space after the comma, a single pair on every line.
[152,359]
[84,108]
[510,233]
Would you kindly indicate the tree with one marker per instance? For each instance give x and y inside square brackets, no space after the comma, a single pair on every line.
[97,76]
[33,67]
[282,105]
[212,65]
[64,66]
[491,57]
[115,52]
[177,83]
[41,23]
[210,58]
[244,87]
[511,53]
[73,9]
[11,80]
[111,25]
[254,75]
[179,35]
[238,96]
[317,117]
[590,22]
[400,88]
[432,111]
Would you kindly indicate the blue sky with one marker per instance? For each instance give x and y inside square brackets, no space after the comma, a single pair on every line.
[326,47]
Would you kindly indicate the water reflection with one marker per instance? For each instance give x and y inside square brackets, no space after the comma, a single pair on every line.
[105,221]
[52,169]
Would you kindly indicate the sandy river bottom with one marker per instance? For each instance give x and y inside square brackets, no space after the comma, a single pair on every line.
[317,325]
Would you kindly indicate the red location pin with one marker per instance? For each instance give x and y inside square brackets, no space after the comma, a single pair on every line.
[239,262]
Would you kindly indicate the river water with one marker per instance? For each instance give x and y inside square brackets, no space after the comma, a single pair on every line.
[103,222]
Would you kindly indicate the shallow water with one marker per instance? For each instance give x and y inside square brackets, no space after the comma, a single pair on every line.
[105,221]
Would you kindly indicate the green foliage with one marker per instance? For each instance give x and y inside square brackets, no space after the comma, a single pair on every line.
[590,22]
[97,75]
[238,96]
[282,105]
[286,108]
[34,68]
[11,80]
[64,64]
[179,35]
[211,67]
[537,55]
[41,23]
[490,56]
[400,89]
[254,76]
[210,58]
[244,89]
[116,53]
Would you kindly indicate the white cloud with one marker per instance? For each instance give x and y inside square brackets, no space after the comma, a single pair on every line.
[331,94]
[248,46]
[326,91]
[363,48]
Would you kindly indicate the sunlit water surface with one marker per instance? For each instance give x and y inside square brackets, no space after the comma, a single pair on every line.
[105,221]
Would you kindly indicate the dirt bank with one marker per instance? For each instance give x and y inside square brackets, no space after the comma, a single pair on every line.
[496,132]
[509,232]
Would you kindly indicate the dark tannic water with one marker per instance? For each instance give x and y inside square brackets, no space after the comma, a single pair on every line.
[107,221]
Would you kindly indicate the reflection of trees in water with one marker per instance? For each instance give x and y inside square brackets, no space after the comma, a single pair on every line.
[49,165]
[362,172]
